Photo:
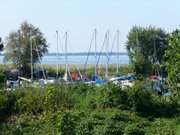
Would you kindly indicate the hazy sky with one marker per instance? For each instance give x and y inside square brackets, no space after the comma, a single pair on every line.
[80,17]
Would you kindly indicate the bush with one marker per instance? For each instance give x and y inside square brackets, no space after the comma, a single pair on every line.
[109,128]
[85,127]
[111,95]
[7,104]
[30,100]
[2,76]
[60,96]
[162,127]
[141,99]
[67,124]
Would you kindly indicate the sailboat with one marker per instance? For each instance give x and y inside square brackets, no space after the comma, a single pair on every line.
[125,80]
[67,75]
[98,80]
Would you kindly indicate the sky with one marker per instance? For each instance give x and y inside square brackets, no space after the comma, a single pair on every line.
[80,17]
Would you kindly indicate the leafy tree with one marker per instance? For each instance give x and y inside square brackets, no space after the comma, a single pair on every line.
[18,47]
[172,59]
[1,45]
[146,46]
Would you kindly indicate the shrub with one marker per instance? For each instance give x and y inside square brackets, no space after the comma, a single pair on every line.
[111,95]
[7,103]
[59,97]
[141,99]
[109,128]
[67,123]
[30,100]
[133,129]
[162,127]
[85,127]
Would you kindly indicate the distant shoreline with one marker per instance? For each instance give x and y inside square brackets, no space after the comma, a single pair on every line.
[83,54]
[86,53]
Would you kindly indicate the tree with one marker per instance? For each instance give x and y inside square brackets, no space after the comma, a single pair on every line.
[1,45]
[18,47]
[146,47]
[172,59]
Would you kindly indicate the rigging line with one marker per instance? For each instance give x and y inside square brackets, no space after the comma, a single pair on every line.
[57,66]
[79,72]
[87,58]
[39,59]
[154,45]
[107,53]
[61,42]
[112,48]
[66,57]
[155,55]
[105,39]
[118,49]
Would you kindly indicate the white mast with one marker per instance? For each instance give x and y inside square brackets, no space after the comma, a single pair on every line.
[19,51]
[31,55]
[118,52]
[57,54]
[107,52]
[66,57]
[67,72]
[95,41]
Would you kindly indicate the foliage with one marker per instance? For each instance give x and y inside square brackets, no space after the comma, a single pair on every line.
[1,45]
[2,76]
[162,127]
[58,97]
[18,45]
[133,129]
[112,96]
[141,99]
[82,109]
[172,59]
[30,101]
[146,46]
[67,124]
[7,104]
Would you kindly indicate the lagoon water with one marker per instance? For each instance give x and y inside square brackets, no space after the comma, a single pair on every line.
[81,59]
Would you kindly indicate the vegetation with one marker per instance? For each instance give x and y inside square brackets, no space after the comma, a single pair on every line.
[172,59]
[82,109]
[146,47]
[19,44]
[1,45]
[87,109]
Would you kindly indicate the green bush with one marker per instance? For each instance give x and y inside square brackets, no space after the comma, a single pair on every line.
[162,127]
[30,100]
[133,129]
[111,95]
[7,104]
[85,127]
[141,99]
[109,128]
[60,96]
[67,124]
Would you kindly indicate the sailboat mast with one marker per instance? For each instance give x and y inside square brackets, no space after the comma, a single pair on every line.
[95,41]
[19,51]
[57,54]
[66,57]
[107,53]
[31,55]
[117,52]
[154,45]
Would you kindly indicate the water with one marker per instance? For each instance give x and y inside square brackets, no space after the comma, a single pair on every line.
[81,59]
